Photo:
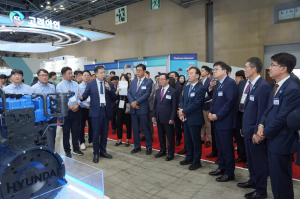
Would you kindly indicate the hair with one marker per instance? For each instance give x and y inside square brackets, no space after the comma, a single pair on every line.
[197,71]
[128,73]
[16,71]
[176,74]
[125,76]
[141,65]
[51,74]
[285,59]
[223,65]
[206,68]
[255,62]
[3,76]
[97,68]
[229,69]
[112,72]
[156,76]
[41,70]
[79,73]
[86,71]
[76,72]
[211,72]
[65,69]
[240,73]
[35,79]
[114,78]
[165,74]
[182,76]
[148,73]
[93,74]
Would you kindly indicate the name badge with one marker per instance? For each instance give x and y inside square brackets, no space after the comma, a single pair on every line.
[276,101]
[220,93]
[168,96]
[121,104]
[192,95]
[102,98]
[252,97]
[88,99]
[143,87]
[73,99]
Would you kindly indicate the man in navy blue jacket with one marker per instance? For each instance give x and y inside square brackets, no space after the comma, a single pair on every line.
[191,113]
[223,113]
[138,94]
[281,140]
[253,98]
[293,123]
[164,113]
[101,97]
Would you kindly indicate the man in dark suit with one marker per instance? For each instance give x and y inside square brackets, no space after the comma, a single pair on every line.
[101,97]
[281,140]
[113,85]
[191,113]
[178,88]
[164,113]
[253,98]
[293,123]
[138,94]
[223,113]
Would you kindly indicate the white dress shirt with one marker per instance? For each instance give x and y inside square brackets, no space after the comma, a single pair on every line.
[137,84]
[281,83]
[103,85]
[165,89]
[248,82]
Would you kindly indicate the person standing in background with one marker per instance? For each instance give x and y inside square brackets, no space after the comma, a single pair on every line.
[52,78]
[239,76]
[129,74]
[112,73]
[114,86]
[3,81]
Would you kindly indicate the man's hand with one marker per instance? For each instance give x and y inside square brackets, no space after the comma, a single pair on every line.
[241,133]
[256,139]
[88,106]
[80,96]
[180,112]
[131,67]
[171,122]
[153,120]
[119,88]
[212,84]
[107,86]
[260,131]
[125,66]
[133,104]
[75,108]
[181,117]
[137,107]
[212,117]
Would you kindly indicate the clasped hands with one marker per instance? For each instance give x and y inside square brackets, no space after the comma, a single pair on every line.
[134,105]
[180,114]
[212,117]
[259,136]
[74,108]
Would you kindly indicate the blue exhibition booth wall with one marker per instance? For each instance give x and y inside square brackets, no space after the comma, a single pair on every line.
[180,62]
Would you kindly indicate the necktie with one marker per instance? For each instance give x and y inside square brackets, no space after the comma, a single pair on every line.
[162,94]
[138,86]
[248,88]
[101,92]
[275,89]
[219,86]
[191,87]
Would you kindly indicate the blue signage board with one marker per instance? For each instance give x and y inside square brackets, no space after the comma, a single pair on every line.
[180,62]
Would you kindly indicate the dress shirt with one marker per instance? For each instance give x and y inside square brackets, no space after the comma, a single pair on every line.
[166,88]
[203,81]
[40,88]
[22,89]
[221,82]
[82,87]
[65,86]
[103,85]
[281,82]
[248,82]
[140,81]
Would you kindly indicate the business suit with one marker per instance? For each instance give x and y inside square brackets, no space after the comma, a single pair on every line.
[114,108]
[281,140]
[224,106]
[141,115]
[178,128]
[206,128]
[293,123]
[256,153]
[165,110]
[99,115]
[192,105]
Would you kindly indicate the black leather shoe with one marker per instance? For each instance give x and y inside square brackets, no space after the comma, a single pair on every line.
[225,178]
[202,141]
[240,160]
[136,150]
[208,144]
[216,162]
[195,166]
[113,131]
[216,172]
[213,154]
[186,162]
[182,152]
[245,185]
[177,143]
[245,165]
[255,195]
[149,151]
[105,155]
[142,138]
[170,157]
[96,159]
[160,154]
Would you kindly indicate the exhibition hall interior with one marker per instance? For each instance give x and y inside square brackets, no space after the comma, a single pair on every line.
[158,99]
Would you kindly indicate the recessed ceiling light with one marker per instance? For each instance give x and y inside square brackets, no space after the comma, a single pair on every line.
[54,9]
[48,2]
[61,6]
[42,6]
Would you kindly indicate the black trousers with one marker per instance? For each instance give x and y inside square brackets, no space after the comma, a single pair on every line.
[113,118]
[178,128]
[51,135]
[121,118]
[241,150]
[71,123]
[85,117]
[213,137]
[163,130]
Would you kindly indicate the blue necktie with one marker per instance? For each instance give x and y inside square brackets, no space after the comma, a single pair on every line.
[101,92]
[191,87]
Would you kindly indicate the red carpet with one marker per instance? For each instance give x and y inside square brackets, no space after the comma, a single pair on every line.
[205,150]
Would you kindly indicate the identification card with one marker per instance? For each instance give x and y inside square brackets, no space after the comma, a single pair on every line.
[192,95]
[220,93]
[143,87]
[102,98]
[73,99]
[252,98]
[276,101]
[88,99]
[121,104]
[168,96]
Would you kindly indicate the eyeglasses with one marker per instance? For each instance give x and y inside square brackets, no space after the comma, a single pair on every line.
[139,70]
[215,69]
[161,79]
[274,65]
[43,75]
[86,75]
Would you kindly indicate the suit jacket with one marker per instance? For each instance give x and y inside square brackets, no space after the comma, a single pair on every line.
[254,107]
[293,123]
[178,88]
[280,138]
[113,102]
[92,91]
[165,110]
[193,106]
[140,96]
[151,98]
[295,78]
[206,106]
[224,106]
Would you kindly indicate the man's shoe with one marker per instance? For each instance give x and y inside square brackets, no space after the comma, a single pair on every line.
[82,147]
[78,152]
[216,162]
[96,159]
[142,138]
[240,160]
[113,131]
[68,154]
[255,195]
[186,162]
[245,165]
[177,143]
[170,157]
[105,155]
[216,172]
[160,154]
[225,178]
[208,144]
[90,144]
[246,185]
[195,166]
[182,152]
[149,151]
[213,154]
[136,150]
[202,141]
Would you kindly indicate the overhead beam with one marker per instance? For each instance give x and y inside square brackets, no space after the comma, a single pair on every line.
[33,5]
